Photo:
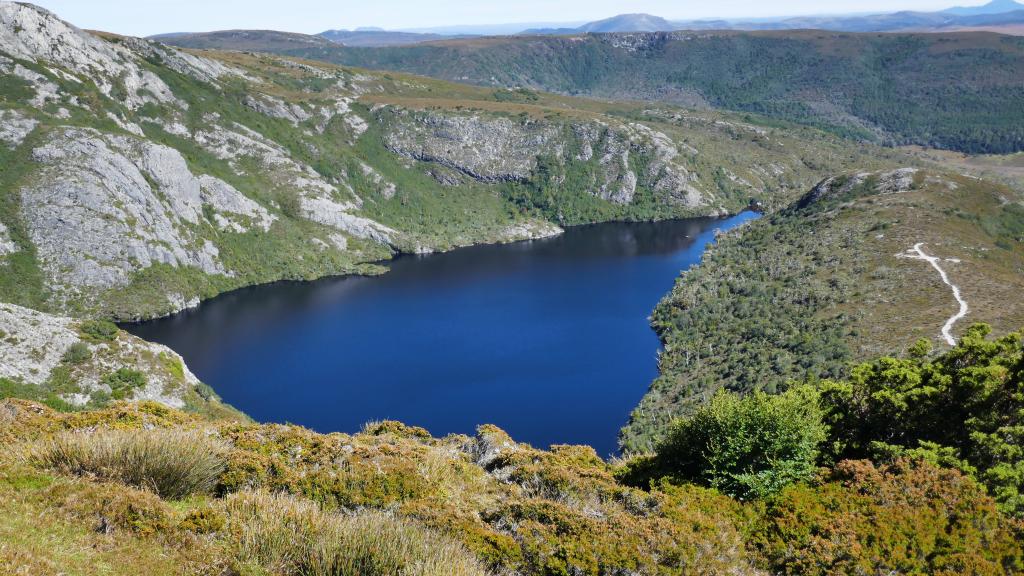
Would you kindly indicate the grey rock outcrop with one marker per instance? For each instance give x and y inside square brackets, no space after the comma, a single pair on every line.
[498,149]
[105,206]
[34,344]
[7,246]
[14,127]
[276,108]
[32,33]
[488,149]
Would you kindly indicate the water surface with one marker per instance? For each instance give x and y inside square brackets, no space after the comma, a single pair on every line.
[548,339]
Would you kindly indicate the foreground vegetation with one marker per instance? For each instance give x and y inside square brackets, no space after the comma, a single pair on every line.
[844,476]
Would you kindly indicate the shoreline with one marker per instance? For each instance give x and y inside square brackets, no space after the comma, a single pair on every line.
[382,265]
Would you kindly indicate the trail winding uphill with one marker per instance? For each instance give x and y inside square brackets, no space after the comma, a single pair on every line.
[918,253]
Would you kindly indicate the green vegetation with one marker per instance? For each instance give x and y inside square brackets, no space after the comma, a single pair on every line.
[806,291]
[430,205]
[962,409]
[902,518]
[746,447]
[892,88]
[77,353]
[123,382]
[786,484]
[98,330]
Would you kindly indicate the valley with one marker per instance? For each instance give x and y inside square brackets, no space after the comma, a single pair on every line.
[273,306]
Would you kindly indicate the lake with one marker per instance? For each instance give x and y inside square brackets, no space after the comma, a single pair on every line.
[548,339]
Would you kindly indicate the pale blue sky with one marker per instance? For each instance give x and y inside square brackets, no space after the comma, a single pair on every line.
[145,17]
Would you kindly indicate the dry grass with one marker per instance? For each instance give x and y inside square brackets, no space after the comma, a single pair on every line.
[171,463]
[288,536]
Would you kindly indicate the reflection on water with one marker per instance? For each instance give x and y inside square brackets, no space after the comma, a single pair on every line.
[547,339]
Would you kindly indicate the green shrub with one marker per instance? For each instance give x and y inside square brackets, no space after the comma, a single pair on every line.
[98,330]
[961,409]
[123,382]
[77,353]
[746,447]
[173,464]
[288,536]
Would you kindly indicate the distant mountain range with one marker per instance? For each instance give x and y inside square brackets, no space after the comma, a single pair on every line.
[1006,16]
[620,23]
[376,38]
[993,7]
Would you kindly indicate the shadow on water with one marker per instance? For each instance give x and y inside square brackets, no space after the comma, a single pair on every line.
[548,339]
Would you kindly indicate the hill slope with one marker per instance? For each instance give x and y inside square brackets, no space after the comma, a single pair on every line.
[891,88]
[833,279]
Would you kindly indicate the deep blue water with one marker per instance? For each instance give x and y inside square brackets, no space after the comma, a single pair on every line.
[548,339]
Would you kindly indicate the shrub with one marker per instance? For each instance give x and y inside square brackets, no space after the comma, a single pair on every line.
[111,506]
[98,330]
[77,353]
[288,536]
[746,447]
[904,518]
[961,409]
[290,204]
[123,382]
[174,464]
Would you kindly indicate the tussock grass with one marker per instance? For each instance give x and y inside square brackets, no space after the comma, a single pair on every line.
[171,463]
[288,536]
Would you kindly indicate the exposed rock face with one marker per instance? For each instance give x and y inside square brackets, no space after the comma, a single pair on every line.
[319,199]
[105,206]
[337,215]
[7,246]
[275,108]
[234,211]
[500,149]
[488,149]
[31,33]
[531,230]
[890,182]
[14,127]
[35,344]
[199,68]
[342,109]
[171,180]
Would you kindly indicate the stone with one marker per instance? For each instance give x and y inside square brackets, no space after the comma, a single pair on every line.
[14,127]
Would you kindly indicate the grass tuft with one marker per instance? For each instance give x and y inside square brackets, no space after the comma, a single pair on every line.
[173,464]
[288,536]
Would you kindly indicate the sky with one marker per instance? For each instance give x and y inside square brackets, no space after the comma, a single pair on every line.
[147,17]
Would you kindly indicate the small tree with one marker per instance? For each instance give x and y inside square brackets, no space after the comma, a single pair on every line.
[747,447]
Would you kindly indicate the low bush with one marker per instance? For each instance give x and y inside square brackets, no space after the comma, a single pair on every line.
[288,536]
[173,464]
[123,382]
[98,330]
[904,518]
[77,353]
[746,447]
